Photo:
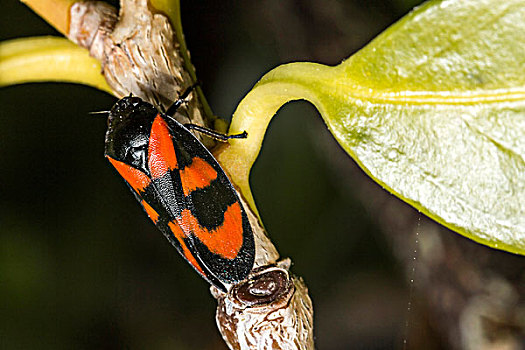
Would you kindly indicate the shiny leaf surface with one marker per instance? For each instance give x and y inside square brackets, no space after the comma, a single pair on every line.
[433,110]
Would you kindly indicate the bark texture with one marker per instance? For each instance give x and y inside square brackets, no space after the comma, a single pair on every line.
[271,310]
[138,53]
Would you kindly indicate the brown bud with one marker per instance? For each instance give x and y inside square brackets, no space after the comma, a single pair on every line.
[270,310]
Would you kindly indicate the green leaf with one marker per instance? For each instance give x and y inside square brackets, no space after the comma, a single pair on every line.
[48,59]
[433,110]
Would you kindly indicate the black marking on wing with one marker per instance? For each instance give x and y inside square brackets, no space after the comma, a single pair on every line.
[210,203]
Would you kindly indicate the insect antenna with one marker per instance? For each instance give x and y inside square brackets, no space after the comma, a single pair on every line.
[99,112]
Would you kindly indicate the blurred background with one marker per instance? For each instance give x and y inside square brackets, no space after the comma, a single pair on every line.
[81,266]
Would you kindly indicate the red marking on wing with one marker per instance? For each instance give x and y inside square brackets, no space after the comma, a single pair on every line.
[135,178]
[180,235]
[161,154]
[153,215]
[226,240]
[198,174]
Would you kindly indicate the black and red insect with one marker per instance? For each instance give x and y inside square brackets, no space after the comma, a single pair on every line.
[182,188]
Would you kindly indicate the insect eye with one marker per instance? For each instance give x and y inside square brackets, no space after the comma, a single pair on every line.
[136,157]
[136,153]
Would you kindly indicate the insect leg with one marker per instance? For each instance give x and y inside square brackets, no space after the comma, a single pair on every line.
[211,133]
[214,134]
[182,98]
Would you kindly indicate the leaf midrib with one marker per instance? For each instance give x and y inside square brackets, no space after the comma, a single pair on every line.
[439,97]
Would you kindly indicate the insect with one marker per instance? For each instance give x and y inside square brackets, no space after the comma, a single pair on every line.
[182,188]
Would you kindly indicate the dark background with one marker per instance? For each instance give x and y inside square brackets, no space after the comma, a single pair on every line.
[81,266]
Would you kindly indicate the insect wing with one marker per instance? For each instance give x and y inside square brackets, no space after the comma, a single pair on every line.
[219,232]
